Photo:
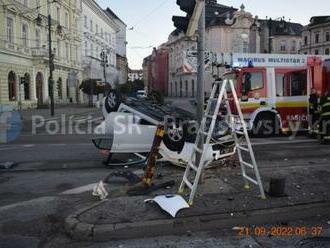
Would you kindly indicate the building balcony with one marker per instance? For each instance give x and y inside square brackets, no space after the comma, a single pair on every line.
[12,47]
[40,52]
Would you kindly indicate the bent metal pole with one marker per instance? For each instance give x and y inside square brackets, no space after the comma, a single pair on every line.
[200,75]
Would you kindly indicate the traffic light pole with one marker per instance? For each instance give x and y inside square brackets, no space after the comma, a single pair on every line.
[200,75]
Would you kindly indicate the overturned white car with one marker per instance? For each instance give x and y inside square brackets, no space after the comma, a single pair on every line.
[129,128]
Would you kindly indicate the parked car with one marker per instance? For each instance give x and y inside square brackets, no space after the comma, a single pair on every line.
[141,94]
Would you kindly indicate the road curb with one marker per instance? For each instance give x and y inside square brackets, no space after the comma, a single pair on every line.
[77,229]
[80,231]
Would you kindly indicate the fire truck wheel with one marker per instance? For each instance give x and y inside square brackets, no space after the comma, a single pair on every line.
[265,125]
[175,136]
[112,101]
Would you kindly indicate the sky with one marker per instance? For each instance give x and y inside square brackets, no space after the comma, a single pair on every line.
[152,19]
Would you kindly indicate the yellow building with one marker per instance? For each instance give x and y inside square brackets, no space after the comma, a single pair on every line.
[24,51]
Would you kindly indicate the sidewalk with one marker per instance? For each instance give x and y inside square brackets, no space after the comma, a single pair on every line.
[59,110]
[221,203]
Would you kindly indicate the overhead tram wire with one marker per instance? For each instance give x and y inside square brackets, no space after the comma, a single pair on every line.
[148,15]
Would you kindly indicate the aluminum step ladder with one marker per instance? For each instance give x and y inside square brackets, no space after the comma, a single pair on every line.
[194,170]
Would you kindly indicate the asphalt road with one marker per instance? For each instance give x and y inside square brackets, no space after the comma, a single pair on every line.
[54,174]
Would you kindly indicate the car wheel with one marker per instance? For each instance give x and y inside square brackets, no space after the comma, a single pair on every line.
[175,136]
[112,101]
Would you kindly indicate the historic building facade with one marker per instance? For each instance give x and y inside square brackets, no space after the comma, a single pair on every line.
[316,36]
[134,75]
[99,36]
[280,36]
[24,52]
[228,30]
[121,47]
[155,70]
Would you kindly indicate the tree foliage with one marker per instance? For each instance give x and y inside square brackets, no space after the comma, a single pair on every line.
[130,88]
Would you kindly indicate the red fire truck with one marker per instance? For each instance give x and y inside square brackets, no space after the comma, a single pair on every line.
[274,89]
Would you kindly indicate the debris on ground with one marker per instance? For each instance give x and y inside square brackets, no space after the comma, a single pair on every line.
[171,204]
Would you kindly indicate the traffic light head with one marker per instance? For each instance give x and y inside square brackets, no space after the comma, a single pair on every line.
[181,23]
[187,6]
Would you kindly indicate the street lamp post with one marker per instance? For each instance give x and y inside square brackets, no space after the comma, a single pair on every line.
[270,41]
[104,63]
[51,65]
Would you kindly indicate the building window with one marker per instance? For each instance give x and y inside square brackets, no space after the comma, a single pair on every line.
[181,90]
[187,90]
[86,48]
[59,88]
[76,55]
[67,20]
[317,38]
[68,95]
[306,40]
[293,46]
[327,36]
[316,51]
[10,30]
[327,51]
[97,51]
[38,41]
[25,35]
[193,88]
[245,47]
[58,14]
[85,21]
[283,46]
[12,86]
[176,89]
[67,51]
[91,25]
[102,33]
[38,6]
[106,37]
[58,48]
[92,52]
[97,29]
[27,87]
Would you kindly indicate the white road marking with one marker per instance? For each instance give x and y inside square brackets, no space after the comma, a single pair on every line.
[29,145]
[28,203]
[274,142]
[57,144]
[7,148]
[79,190]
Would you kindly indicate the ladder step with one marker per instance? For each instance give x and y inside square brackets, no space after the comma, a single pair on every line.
[247,164]
[239,132]
[204,133]
[198,150]
[186,181]
[211,116]
[243,148]
[251,179]
[192,166]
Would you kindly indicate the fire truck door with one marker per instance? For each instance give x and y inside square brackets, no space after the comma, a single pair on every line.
[292,99]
